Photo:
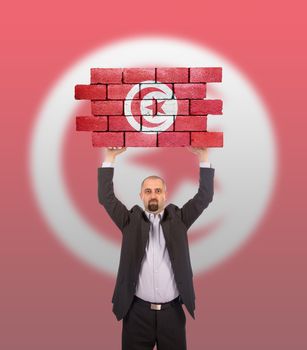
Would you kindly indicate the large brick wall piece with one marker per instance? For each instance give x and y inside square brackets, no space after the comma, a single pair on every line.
[151,107]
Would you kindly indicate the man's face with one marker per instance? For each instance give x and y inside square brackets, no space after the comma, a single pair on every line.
[153,195]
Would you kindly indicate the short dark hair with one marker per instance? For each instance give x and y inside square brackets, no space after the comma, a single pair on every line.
[154,177]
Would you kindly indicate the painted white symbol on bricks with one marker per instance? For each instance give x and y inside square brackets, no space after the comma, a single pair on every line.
[157,106]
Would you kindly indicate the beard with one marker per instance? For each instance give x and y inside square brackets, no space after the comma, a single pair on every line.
[153,205]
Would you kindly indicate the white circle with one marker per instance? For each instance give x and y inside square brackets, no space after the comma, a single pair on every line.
[164,93]
[245,167]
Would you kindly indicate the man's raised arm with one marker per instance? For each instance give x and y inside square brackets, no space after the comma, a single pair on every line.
[114,207]
[195,206]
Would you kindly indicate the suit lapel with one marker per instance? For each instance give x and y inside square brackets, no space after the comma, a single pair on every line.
[165,223]
[145,226]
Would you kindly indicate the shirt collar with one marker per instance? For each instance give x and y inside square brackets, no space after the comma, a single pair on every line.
[148,213]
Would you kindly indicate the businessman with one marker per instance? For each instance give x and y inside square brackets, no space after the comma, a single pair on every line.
[155,276]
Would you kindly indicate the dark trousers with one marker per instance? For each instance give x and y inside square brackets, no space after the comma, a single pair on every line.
[144,328]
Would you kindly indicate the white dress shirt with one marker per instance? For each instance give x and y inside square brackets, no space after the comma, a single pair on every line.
[156,282]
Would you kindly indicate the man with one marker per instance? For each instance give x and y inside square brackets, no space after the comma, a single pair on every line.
[154,276]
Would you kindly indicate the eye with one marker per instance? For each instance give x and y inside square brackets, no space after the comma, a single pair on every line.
[147,191]
[158,190]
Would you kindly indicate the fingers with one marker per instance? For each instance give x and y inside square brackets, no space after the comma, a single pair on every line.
[196,149]
[192,149]
[117,148]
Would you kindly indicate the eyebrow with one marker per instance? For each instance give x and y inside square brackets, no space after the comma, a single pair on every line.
[157,188]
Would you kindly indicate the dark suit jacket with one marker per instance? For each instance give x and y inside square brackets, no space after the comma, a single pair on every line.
[134,226]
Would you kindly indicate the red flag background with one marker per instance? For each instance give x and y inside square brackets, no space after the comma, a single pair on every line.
[56,288]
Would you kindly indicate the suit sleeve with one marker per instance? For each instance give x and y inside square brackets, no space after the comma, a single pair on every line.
[114,207]
[195,206]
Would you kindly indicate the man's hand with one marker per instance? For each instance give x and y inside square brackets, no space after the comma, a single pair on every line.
[112,152]
[202,153]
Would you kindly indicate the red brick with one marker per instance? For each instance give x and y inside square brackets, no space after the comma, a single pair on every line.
[154,127]
[91,123]
[140,139]
[146,88]
[204,107]
[173,139]
[189,123]
[136,75]
[207,139]
[108,139]
[183,107]
[173,75]
[120,91]
[206,75]
[106,75]
[90,92]
[190,91]
[107,107]
[121,123]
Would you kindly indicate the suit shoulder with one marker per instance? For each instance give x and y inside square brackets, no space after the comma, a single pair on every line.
[136,209]
[172,208]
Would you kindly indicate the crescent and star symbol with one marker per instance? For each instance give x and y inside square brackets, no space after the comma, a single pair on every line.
[157,107]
